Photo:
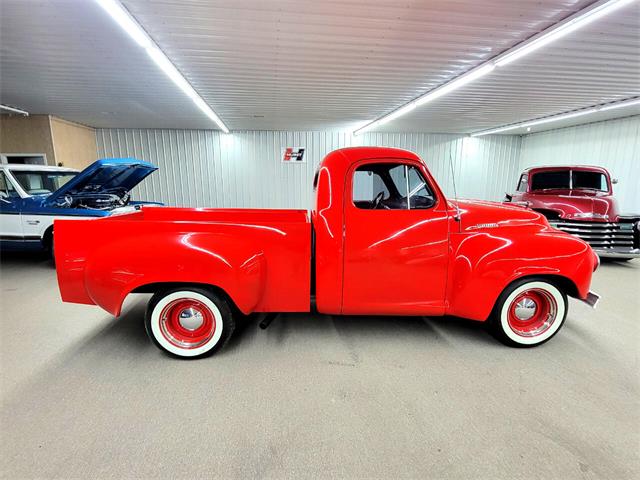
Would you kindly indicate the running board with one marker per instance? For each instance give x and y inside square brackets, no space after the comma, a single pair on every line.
[592,299]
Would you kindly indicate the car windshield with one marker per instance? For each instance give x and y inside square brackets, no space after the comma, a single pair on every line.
[589,180]
[566,179]
[41,182]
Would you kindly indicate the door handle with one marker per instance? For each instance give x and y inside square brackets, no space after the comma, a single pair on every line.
[33,222]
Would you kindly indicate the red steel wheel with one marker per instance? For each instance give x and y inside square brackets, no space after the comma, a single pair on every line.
[532,312]
[189,322]
[529,312]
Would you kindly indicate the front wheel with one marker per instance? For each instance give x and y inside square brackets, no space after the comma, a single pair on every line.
[528,313]
[189,322]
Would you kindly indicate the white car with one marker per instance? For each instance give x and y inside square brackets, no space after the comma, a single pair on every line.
[33,196]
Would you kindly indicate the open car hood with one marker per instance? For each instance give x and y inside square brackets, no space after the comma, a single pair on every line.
[109,175]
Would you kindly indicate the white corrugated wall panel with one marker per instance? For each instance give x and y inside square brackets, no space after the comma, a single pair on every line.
[203,168]
[614,144]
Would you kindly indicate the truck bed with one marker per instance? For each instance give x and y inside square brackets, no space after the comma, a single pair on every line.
[251,254]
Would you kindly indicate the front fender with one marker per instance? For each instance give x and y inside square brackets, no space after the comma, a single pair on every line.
[485,263]
[114,270]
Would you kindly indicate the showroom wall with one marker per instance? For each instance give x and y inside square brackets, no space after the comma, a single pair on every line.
[245,169]
[60,141]
[30,134]
[74,144]
[613,144]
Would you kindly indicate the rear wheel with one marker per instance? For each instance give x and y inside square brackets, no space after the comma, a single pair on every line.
[529,312]
[189,322]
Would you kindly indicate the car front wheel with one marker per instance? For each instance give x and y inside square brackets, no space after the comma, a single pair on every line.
[529,312]
[189,323]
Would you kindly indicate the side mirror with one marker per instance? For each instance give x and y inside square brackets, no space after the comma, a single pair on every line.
[614,180]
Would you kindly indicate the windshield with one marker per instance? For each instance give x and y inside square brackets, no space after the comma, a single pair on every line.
[590,180]
[566,179]
[41,183]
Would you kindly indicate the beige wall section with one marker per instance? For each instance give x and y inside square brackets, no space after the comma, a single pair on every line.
[65,142]
[74,144]
[30,134]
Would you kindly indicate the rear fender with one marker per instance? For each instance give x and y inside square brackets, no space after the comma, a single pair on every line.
[119,267]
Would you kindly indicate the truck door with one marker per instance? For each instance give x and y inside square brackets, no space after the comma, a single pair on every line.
[395,241]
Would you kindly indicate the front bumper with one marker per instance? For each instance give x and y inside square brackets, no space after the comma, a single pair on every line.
[617,252]
[592,299]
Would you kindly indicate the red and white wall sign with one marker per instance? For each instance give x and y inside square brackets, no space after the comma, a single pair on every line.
[293,155]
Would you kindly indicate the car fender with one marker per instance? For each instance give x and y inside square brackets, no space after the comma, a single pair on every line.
[116,269]
[483,264]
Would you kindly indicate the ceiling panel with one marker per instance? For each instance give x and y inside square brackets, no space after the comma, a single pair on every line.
[67,58]
[309,65]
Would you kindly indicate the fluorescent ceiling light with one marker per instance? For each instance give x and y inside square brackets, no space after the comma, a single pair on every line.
[115,9]
[556,118]
[14,110]
[559,30]
[126,21]
[171,71]
[427,97]
[456,83]
[625,103]
[397,113]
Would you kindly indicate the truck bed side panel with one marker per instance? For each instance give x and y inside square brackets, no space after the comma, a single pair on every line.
[260,258]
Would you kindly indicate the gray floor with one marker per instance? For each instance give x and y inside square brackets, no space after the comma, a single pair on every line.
[86,395]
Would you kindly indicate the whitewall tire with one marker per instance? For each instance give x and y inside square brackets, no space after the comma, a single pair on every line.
[188,322]
[529,312]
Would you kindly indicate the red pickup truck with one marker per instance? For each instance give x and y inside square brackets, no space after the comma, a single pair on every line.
[381,239]
[579,200]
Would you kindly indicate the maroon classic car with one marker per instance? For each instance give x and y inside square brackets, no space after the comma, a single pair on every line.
[579,200]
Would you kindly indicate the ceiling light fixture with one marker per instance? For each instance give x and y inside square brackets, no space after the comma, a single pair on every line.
[624,103]
[429,96]
[14,110]
[129,24]
[556,31]
[556,118]
[559,30]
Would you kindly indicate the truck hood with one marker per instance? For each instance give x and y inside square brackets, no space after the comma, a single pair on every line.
[479,215]
[109,175]
[577,205]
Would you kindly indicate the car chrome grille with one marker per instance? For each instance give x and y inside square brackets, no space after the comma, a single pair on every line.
[599,235]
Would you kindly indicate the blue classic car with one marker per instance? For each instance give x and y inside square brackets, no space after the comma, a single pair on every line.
[33,196]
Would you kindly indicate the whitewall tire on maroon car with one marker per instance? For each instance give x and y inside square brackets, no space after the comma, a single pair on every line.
[189,322]
[529,312]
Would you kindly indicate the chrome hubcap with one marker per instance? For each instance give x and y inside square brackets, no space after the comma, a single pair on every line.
[525,309]
[191,318]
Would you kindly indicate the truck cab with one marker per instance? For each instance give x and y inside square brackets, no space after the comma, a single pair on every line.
[392,228]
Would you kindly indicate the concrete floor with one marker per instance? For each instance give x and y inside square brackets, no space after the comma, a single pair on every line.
[87,396]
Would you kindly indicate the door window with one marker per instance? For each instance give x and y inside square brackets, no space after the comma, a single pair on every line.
[390,186]
[6,188]
[522,185]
